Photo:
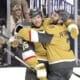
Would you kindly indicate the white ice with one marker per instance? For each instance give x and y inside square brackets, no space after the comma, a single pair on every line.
[18,73]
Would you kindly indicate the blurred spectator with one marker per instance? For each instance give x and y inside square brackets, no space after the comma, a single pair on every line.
[16,16]
[23,4]
[3,55]
[27,20]
[17,13]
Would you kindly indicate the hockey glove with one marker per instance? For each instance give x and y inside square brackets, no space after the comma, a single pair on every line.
[73,29]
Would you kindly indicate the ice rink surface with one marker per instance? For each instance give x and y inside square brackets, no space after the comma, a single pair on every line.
[77,71]
[18,73]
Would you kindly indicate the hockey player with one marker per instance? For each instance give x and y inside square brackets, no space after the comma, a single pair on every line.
[28,55]
[36,70]
[65,64]
[37,24]
[60,56]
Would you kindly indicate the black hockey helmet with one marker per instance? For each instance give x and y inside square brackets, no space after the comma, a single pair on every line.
[35,12]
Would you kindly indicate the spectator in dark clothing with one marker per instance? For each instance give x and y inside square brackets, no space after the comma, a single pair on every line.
[3,55]
[18,52]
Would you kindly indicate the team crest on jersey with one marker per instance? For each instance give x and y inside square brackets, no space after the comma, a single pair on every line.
[25,45]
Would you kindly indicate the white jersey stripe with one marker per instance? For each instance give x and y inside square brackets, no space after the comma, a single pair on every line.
[62,61]
[28,54]
[34,36]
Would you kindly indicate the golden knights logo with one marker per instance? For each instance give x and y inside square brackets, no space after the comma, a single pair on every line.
[25,45]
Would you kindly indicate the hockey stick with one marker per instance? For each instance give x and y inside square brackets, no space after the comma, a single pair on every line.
[76,74]
[17,58]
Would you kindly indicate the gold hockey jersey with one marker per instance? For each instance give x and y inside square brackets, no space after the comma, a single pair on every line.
[59,47]
[40,47]
[58,50]
[57,43]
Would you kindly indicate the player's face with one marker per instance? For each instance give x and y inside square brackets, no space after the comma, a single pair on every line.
[54,17]
[37,20]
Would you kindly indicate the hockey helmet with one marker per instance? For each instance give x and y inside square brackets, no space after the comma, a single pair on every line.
[35,12]
[63,15]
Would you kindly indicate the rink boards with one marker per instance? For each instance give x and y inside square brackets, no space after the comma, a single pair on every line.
[18,73]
